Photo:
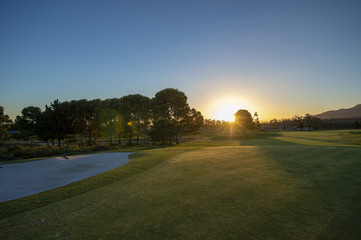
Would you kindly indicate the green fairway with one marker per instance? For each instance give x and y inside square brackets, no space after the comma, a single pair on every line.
[287,185]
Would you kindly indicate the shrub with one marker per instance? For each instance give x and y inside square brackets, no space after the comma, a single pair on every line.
[99,148]
[69,149]
[23,152]
[43,151]
[15,148]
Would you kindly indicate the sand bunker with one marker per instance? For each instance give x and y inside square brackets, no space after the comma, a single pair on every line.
[23,179]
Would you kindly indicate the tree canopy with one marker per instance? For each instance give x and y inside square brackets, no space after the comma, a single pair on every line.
[166,117]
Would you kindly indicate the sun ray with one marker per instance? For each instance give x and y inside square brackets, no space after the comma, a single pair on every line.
[226,107]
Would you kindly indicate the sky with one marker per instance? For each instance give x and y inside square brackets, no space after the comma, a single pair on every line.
[277,58]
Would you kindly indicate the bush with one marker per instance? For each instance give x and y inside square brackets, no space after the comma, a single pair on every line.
[14,148]
[18,151]
[44,151]
[99,148]
[23,152]
[69,149]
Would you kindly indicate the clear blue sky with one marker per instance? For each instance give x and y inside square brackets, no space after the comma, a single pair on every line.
[279,58]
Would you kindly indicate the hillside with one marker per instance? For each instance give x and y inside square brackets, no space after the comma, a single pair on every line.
[341,113]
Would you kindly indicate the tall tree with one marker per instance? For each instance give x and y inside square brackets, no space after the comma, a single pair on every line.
[45,128]
[61,118]
[170,105]
[107,124]
[135,110]
[93,112]
[192,123]
[5,123]
[28,122]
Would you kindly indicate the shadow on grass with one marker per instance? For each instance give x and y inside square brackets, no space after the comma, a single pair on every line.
[333,176]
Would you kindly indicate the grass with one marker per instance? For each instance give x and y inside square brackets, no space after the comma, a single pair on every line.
[215,187]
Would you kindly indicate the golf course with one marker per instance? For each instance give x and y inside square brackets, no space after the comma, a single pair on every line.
[274,185]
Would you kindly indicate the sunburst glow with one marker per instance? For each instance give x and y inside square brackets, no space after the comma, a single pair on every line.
[224,108]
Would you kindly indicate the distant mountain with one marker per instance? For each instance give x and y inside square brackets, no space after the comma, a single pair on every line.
[341,113]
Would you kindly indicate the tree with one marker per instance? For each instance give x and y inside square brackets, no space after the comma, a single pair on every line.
[28,122]
[5,123]
[307,119]
[257,124]
[61,119]
[243,120]
[170,106]
[300,121]
[193,122]
[162,130]
[107,124]
[92,118]
[45,127]
[135,110]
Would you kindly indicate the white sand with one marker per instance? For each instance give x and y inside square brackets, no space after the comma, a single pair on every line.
[23,179]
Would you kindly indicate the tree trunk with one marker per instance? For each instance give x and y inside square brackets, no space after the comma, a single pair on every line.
[177,139]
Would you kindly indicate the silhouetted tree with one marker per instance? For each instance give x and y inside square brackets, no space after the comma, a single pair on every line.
[256,122]
[60,117]
[5,123]
[243,120]
[28,122]
[300,121]
[135,110]
[191,125]
[93,111]
[45,128]
[170,105]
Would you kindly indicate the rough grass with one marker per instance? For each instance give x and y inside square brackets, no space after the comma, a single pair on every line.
[204,190]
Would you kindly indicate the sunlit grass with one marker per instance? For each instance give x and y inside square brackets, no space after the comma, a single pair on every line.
[349,138]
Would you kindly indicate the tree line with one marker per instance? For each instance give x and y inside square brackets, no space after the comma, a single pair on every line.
[166,118]
[309,122]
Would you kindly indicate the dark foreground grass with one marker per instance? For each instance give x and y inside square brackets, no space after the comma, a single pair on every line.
[289,191]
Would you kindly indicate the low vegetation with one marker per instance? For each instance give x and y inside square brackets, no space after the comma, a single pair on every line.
[286,185]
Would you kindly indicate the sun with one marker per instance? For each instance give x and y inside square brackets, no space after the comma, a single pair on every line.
[224,108]
[226,112]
